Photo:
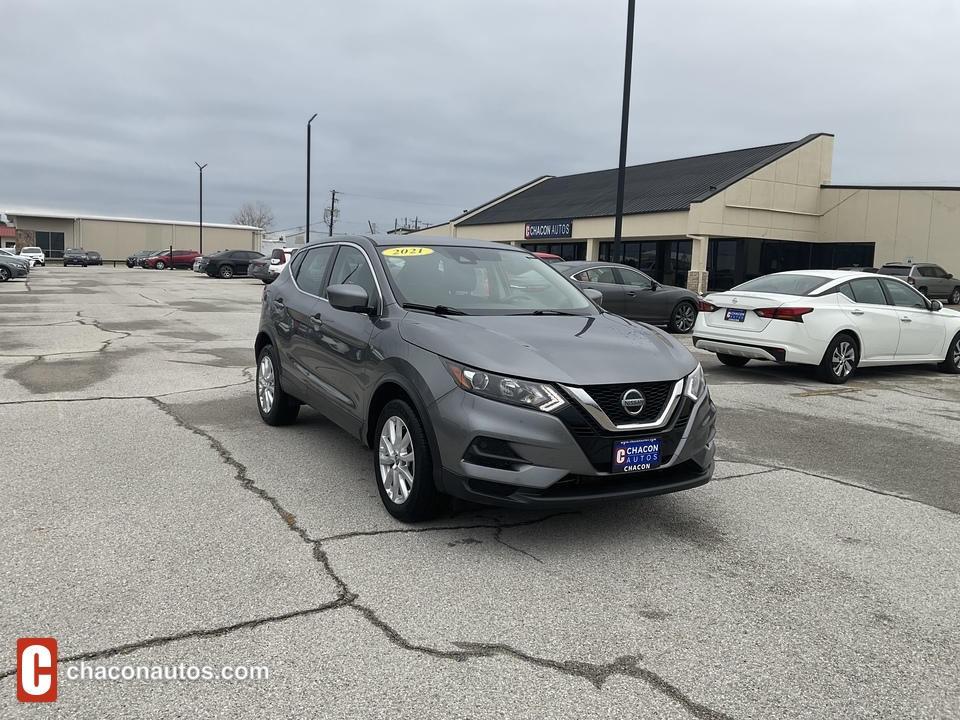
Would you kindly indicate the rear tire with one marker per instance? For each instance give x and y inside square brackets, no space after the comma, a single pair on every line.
[225,272]
[275,406]
[954,298]
[951,363]
[683,318]
[732,360]
[4,273]
[403,465]
[839,361]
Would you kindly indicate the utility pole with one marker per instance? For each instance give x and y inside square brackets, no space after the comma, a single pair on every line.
[308,177]
[624,123]
[331,213]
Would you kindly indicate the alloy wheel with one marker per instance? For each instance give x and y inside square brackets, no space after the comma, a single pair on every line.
[956,351]
[843,358]
[266,384]
[955,297]
[396,459]
[684,318]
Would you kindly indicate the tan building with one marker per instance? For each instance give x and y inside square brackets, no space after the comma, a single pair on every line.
[713,221]
[117,238]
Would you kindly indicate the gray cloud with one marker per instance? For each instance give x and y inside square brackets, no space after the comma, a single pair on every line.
[426,108]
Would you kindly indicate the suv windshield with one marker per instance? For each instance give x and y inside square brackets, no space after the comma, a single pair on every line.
[480,281]
[783,284]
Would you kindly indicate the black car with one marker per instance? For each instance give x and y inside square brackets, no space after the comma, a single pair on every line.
[94,258]
[75,256]
[628,292]
[464,384]
[228,263]
[134,260]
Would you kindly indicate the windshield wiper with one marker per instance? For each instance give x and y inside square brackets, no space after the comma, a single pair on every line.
[438,309]
[547,312]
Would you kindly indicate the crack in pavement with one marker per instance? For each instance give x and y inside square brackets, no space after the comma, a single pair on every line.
[245,372]
[838,481]
[192,634]
[596,674]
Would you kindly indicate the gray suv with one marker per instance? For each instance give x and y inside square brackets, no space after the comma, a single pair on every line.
[467,383]
[930,279]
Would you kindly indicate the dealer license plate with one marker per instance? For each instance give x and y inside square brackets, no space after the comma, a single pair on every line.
[634,455]
[735,315]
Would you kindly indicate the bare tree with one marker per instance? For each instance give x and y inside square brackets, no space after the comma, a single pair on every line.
[257,214]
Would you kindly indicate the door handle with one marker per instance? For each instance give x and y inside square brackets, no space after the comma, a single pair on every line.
[317,320]
[856,312]
[631,293]
[905,319]
[278,301]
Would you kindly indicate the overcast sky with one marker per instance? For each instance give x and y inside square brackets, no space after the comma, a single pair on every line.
[430,107]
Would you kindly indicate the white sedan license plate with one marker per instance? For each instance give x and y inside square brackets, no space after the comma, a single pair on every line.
[734,315]
[634,455]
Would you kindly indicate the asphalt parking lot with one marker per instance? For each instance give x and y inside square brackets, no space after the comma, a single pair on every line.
[151,519]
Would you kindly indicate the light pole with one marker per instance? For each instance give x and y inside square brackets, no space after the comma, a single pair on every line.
[624,123]
[201,208]
[308,176]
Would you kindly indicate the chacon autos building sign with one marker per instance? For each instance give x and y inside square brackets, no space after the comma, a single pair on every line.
[548,229]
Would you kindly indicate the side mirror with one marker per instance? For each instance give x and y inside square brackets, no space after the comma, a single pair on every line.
[949,276]
[936,305]
[594,295]
[351,298]
[654,285]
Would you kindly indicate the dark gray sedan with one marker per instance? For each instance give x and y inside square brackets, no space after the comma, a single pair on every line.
[466,382]
[628,292]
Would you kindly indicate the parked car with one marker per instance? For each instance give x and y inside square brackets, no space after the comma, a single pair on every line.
[94,258]
[268,267]
[133,260]
[857,268]
[228,263]
[464,385]
[12,266]
[75,256]
[548,257]
[197,261]
[36,253]
[930,279]
[7,252]
[628,292]
[161,260]
[832,319]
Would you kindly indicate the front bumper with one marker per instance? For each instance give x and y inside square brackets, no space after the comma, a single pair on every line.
[498,454]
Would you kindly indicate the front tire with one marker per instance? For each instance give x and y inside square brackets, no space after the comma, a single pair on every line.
[4,273]
[732,360]
[403,465]
[160,265]
[683,318]
[225,272]
[951,363]
[954,298]
[840,360]
[275,406]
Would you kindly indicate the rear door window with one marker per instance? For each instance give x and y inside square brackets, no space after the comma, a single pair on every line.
[868,292]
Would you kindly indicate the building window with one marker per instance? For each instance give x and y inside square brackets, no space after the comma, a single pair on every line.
[51,243]
[568,251]
[666,261]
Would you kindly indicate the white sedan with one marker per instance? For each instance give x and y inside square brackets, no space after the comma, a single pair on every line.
[833,319]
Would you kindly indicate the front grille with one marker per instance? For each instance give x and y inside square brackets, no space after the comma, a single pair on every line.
[608,397]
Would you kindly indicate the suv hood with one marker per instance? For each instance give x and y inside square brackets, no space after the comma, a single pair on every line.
[574,350]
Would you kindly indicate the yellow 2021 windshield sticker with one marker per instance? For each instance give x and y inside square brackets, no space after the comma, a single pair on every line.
[406,251]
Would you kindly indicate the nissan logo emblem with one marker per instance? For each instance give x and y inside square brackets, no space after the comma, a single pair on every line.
[632,402]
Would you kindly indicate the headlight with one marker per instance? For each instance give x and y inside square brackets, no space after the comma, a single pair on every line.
[506,389]
[696,384]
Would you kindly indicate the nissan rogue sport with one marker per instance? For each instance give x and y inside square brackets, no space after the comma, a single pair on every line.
[466,385]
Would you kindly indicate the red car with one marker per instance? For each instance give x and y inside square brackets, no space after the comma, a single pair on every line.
[161,260]
[548,257]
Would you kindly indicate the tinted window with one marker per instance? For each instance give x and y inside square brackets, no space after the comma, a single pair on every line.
[597,275]
[937,271]
[904,295]
[868,291]
[351,268]
[898,271]
[783,284]
[312,268]
[634,278]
